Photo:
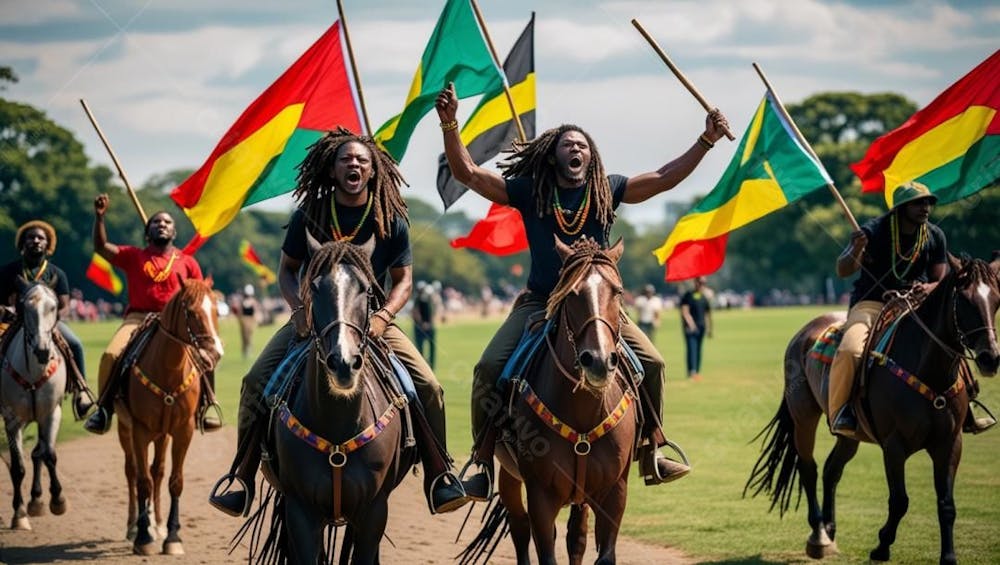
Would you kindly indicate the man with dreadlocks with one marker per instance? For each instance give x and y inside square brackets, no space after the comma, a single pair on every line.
[348,189]
[894,252]
[558,183]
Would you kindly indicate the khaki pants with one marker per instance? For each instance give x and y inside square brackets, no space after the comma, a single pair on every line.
[848,357]
[114,349]
[501,347]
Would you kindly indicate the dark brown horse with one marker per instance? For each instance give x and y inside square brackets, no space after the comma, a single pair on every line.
[160,404]
[929,344]
[337,440]
[573,422]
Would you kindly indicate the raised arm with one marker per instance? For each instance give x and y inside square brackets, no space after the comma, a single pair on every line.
[647,185]
[101,245]
[487,184]
[850,259]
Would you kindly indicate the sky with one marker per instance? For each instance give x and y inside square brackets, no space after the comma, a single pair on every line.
[166,78]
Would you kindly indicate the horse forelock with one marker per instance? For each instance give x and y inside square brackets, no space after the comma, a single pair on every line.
[325,260]
[587,255]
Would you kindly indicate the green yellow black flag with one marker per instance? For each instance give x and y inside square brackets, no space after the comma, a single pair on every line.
[491,127]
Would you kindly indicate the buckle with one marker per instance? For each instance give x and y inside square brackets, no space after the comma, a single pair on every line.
[940,402]
[581,447]
[168,399]
[337,457]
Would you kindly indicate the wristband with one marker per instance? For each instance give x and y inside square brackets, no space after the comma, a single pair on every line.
[704,142]
[388,317]
[449,126]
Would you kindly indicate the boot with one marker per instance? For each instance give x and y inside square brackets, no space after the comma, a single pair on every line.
[236,502]
[478,485]
[209,411]
[82,404]
[444,493]
[658,469]
[978,424]
[100,421]
[846,422]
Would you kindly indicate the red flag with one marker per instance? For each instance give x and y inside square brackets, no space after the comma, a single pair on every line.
[501,232]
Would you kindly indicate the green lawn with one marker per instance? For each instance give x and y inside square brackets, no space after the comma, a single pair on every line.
[704,514]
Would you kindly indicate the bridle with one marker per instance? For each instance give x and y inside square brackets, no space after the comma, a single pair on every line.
[362,331]
[193,342]
[35,336]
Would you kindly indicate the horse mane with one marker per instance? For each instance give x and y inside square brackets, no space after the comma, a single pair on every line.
[330,254]
[586,251]
[976,270]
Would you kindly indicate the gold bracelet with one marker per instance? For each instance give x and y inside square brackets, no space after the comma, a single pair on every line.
[449,126]
[705,142]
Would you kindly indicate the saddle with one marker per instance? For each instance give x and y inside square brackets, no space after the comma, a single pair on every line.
[130,355]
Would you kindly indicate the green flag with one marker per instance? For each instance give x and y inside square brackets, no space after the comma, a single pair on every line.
[456,53]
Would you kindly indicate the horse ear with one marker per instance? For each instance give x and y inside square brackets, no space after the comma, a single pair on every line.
[369,246]
[210,281]
[312,243]
[562,249]
[616,251]
[954,262]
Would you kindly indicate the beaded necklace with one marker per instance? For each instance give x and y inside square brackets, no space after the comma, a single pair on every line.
[38,275]
[159,276]
[573,226]
[897,253]
[337,234]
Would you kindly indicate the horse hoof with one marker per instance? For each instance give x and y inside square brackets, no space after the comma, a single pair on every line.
[146,549]
[819,551]
[21,523]
[58,506]
[36,508]
[878,556]
[173,548]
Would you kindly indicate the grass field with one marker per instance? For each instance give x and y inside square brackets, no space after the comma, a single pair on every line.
[704,514]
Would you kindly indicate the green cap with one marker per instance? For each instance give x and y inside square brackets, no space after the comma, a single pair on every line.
[910,191]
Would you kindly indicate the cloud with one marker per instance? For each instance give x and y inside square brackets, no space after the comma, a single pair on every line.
[41,11]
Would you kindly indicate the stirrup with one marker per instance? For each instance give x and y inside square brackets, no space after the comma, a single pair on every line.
[476,493]
[203,416]
[651,471]
[80,410]
[217,500]
[91,426]
[448,505]
[976,425]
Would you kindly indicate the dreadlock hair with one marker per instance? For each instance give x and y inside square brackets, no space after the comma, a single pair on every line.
[532,159]
[330,254]
[586,251]
[315,188]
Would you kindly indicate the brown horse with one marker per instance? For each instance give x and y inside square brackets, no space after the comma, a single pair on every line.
[930,342]
[160,404]
[572,425]
[337,440]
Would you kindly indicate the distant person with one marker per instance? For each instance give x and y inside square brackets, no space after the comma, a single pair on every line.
[648,307]
[426,308]
[696,317]
[248,311]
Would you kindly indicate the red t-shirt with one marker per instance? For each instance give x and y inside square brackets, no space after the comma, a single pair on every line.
[142,269]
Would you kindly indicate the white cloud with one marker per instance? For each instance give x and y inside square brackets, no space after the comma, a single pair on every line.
[40,11]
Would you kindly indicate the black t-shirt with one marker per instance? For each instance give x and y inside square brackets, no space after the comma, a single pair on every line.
[53,277]
[425,306]
[698,306]
[877,275]
[545,261]
[390,253]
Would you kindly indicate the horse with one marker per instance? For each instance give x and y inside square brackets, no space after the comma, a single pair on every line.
[32,385]
[160,404]
[914,399]
[580,451]
[336,440]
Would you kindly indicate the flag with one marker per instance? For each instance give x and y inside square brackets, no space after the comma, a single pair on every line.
[103,275]
[952,145]
[257,158]
[252,260]
[500,233]
[769,171]
[456,53]
[490,129]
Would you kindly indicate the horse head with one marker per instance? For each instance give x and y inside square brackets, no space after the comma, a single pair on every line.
[192,316]
[976,300]
[588,299]
[40,310]
[338,291]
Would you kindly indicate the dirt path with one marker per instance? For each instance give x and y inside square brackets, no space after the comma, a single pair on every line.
[94,526]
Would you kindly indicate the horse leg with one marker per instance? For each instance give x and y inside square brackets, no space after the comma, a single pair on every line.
[819,544]
[157,472]
[894,459]
[178,451]
[576,533]
[517,516]
[945,466]
[17,473]
[608,519]
[125,439]
[47,438]
[369,532]
[304,531]
[843,451]
[35,506]
[143,544]
[542,511]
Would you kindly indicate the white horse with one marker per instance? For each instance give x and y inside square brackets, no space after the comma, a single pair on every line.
[32,385]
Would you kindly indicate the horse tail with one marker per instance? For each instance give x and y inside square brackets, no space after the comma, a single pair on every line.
[494,529]
[776,470]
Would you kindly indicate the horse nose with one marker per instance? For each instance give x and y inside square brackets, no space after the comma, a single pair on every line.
[41,354]
[594,366]
[343,369]
[988,362]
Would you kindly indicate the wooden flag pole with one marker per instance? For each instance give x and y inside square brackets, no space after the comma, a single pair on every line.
[114,158]
[354,67]
[677,72]
[805,143]
[496,61]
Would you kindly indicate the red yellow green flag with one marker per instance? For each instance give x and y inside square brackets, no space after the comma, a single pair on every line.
[101,273]
[250,258]
[952,145]
[257,158]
